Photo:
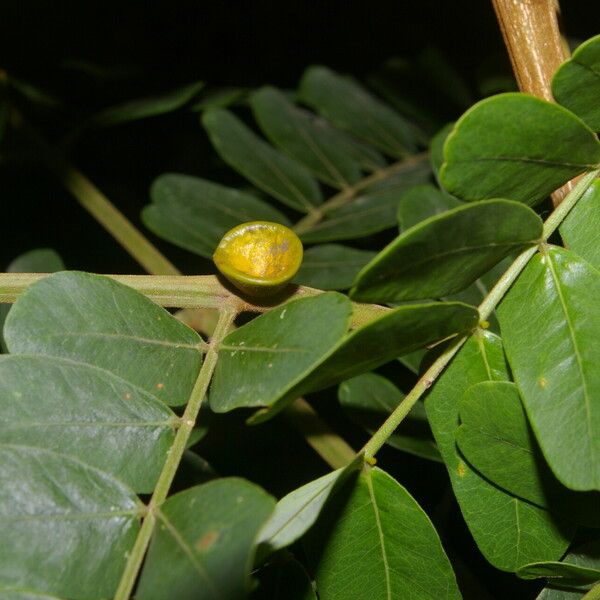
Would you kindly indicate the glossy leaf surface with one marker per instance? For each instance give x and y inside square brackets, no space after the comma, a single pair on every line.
[308,139]
[374,541]
[446,253]
[195,213]
[268,169]
[422,202]
[576,84]
[66,527]
[204,544]
[332,266]
[551,328]
[95,320]
[349,106]
[370,398]
[509,532]
[516,146]
[579,230]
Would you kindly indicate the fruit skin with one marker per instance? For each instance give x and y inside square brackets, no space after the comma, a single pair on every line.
[259,257]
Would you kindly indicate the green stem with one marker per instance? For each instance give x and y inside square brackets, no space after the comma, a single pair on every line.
[485,309]
[593,594]
[327,444]
[188,420]
[349,193]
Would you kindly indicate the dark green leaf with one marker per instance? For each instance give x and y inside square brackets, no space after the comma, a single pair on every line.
[332,266]
[261,361]
[268,169]
[516,146]
[446,253]
[370,398]
[373,210]
[147,107]
[496,439]
[579,230]
[374,541]
[509,532]
[66,527]
[220,98]
[195,213]
[308,139]
[204,543]
[576,84]
[86,413]
[397,332]
[551,327]
[560,572]
[285,579]
[422,202]
[350,107]
[95,320]
[297,512]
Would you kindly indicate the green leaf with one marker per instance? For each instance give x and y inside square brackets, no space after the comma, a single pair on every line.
[66,527]
[95,320]
[195,213]
[586,556]
[370,398]
[579,230]
[496,439]
[422,202]
[509,532]
[373,210]
[285,579]
[224,97]
[308,350]
[268,169]
[297,512]
[286,343]
[308,139]
[86,413]
[551,328]
[204,544]
[148,107]
[446,253]
[39,260]
[374,541]
[436,149]
[576,84]
[332,266]
[516,146]
[12,594]
[349,106]
[560,572]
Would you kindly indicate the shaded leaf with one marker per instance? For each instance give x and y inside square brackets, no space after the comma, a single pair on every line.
[301,135]
[553,305]
[220,98]
[374,541]
[579,230]
[86,413]
[195,213]
[446,253]
[332,266]
[66,527]
[516,146]
[147,107]
[204,542]
[496,439]
[422,202]
[373,210]
[95,320]
[349,106]
[297,512]
[268,169]
[285,579]
[576,84]
[370,398]
[509,532]
[560,572]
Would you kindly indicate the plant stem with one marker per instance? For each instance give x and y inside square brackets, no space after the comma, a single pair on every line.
[97,204]
[349,193]
[328,445]
[188,420]
[485,309]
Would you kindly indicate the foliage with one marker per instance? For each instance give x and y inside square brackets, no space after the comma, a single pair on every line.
[102,389]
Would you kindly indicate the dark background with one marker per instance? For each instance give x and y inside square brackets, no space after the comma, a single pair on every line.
[94,54]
